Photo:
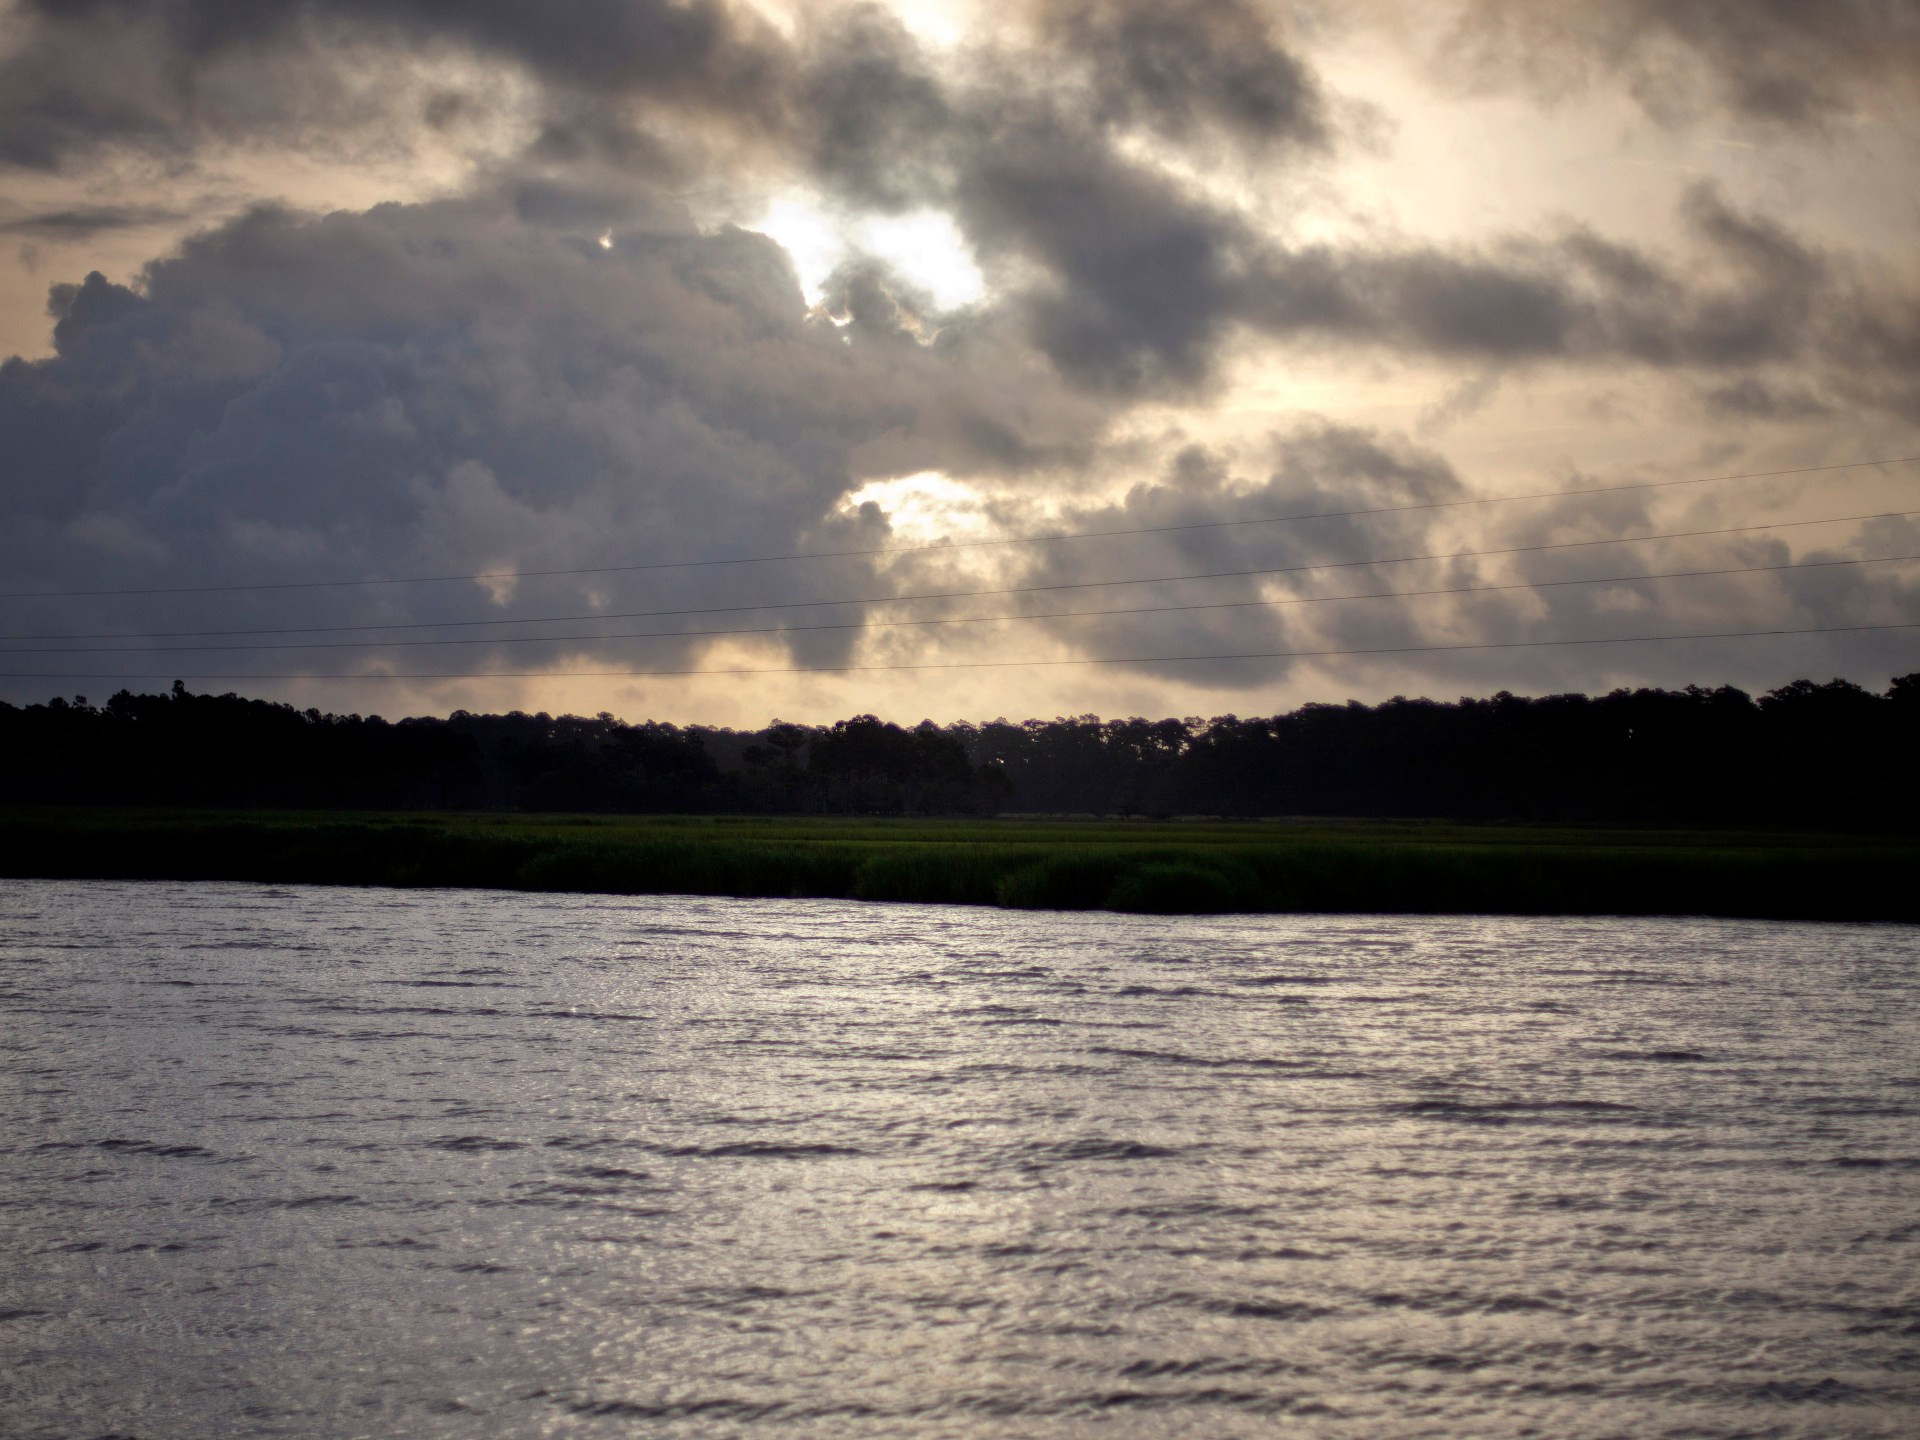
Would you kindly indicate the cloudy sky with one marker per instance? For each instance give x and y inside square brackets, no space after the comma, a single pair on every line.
[400,355]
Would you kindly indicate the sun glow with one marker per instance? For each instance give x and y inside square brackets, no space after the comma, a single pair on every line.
[925,248]
[928,249]
[925,508]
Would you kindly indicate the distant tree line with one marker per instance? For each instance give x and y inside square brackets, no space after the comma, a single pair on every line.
[1805,754]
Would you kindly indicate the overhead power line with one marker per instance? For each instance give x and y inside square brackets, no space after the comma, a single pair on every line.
[964,619]
[977,664]
[975,594]
[955,544]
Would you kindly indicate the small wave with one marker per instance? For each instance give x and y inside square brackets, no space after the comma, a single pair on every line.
[1003,1406]
[758,1150]
[1097,1148]
[1224,1062]
[1265,1309]
[1239,1307]
[172,1247]
[585,1198]
[469,1143]
[580,1015]
[1462,1302]
[280,1202]
[537,1192]
[1857,1107]
[1642,977]
[1824,1391]
[1506,1112]
[1192,1210]
[1205,1365]
[739,1297]
[715,1409]
[1288,979]
[334,1007]
[997,1016]
[594,1142]
[156,1148]
[1660,1057]
[1899,1235]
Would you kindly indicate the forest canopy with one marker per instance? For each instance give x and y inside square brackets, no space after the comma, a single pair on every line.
[1832,754]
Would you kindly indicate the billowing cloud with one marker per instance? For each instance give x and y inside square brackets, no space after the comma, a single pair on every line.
[1188,68]
[570,351]
[1775,62]
[168,75]
[81,222]
[1752,296]
[1408,559]
[477,384]
[1127,275]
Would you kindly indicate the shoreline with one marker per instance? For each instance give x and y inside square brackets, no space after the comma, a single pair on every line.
[1147,867]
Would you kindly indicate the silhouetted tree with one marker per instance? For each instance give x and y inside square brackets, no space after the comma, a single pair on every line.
[1804,754]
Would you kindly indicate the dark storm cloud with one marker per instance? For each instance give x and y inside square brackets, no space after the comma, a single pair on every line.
[1130,272]
[84,221]
[79,79]
[1126,277]
[476,384]
[1137,278]
[171,74]
[1751,296]
[1132,281]
[1185,68]
[1316,466]
[85,71]
[1777,62]
[696,51]
[1752,398]
[1486,587]
[872,114]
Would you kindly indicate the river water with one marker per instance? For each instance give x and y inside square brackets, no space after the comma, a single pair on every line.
[326,1162]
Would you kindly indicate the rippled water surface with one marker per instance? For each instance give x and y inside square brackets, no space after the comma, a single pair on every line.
[346,1162]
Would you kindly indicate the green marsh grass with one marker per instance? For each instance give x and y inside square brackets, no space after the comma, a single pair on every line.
[1170,867]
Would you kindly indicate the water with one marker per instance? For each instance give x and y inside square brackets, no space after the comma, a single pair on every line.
[289,1161]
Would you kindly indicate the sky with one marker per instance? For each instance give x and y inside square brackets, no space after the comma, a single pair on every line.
[407,356]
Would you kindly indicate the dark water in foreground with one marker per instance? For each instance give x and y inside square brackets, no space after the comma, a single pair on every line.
[332,1163]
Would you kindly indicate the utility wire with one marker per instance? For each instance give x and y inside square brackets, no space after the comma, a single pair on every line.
[957,544]
[966,594]
[976,664]
[964,619]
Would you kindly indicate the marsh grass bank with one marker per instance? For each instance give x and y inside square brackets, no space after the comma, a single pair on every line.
[1154,867]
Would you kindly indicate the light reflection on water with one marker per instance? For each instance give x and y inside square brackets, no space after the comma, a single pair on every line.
[291,1161]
